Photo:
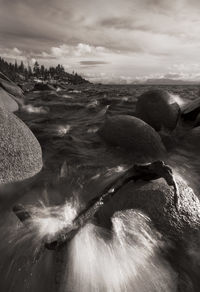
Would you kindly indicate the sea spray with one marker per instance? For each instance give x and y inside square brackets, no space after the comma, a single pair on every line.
[128,259]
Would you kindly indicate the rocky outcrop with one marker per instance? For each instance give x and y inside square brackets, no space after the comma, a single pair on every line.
[11,88]
[157,109]
[191,110]
[132,134]
[20,152]
[7,102]
[43,86]
[156,199]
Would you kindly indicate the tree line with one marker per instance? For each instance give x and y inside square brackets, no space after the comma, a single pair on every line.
[18,71]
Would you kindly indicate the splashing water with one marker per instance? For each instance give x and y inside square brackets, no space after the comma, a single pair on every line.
[178,99]
[63,129]
[47,221]
[36,110]
[126,260]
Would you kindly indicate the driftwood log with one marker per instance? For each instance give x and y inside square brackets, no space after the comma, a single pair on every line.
[150,171]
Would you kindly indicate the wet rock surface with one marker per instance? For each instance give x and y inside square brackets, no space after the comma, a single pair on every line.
[156,199]
[132,134]
[156,109]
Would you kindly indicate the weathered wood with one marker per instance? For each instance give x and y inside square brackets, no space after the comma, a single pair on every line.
[150,171]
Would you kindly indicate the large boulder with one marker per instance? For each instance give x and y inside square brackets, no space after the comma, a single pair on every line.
[20,152]
[7,102]
[11,88]
[156,199]
[157,108]
[132,134]
[43,86]
[191,110]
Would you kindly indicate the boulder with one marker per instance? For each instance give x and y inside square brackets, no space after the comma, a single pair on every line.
[156,199]
[43,86]
[191,110]
[7,102]
[20,152]
[156,108]
[132,134]
[11,88]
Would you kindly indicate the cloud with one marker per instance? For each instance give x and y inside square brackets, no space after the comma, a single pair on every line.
[130,38]
[93,63]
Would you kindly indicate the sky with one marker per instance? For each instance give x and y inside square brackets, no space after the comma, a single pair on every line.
[105,40]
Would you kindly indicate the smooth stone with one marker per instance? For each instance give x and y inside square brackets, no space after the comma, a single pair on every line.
[191,110]
[20,152]
[132,134]
[156,108]
[7,102]
[11,88]
[156,200]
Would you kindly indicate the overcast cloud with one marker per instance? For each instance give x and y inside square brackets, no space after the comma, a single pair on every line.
[105,39]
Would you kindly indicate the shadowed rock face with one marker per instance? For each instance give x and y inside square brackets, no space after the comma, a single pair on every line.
[11,88]
[132,134]
[156,199]
[20,152]
[7,102]
[41,86]
[155,108]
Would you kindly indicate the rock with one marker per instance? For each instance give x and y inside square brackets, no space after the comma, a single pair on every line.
[191,110]
[155,108]
[43,86]
[20,152]
[11,88]
[132,134]
[7,102]
[156,199]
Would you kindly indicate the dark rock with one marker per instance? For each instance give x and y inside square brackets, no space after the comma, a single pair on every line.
[7,102]
[155,108]
[191,110]
[132,134]
[20,152]
[156,199]
[43,86]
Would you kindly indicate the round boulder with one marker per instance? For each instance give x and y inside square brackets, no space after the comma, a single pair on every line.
[132,134]
[7,102]
[157,108]
[11,88]
[20,152]
[156,199]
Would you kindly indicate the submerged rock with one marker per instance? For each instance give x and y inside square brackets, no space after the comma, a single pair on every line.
[156,108]
[7,102]
[132,134]
[20,152]
[156,199]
